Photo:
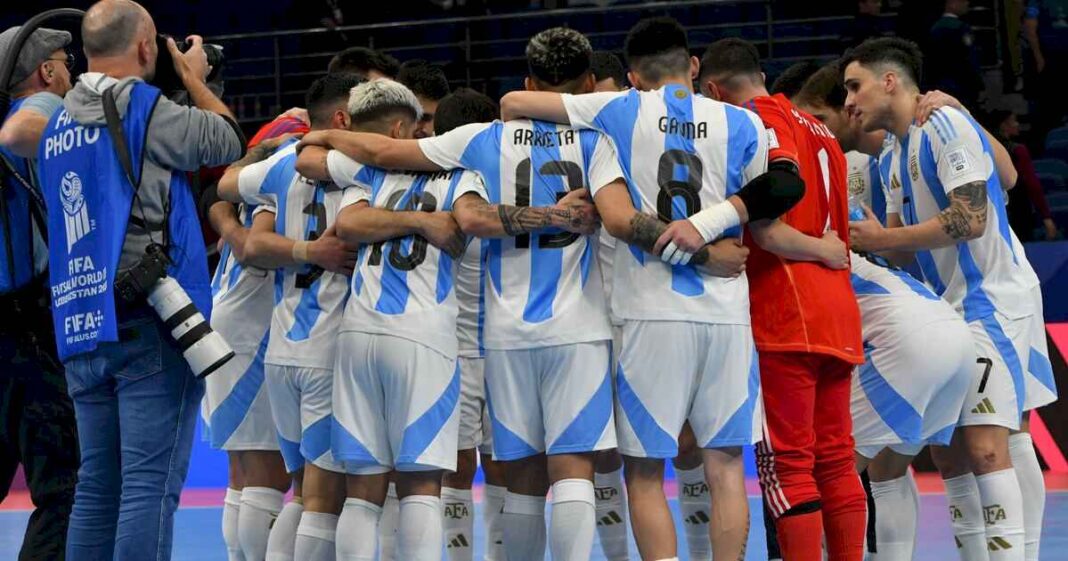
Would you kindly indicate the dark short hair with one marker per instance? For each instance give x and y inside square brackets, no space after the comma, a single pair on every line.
[328,91]
[463,107]
[607,65]
[424,79]
[657,48]
[824,87]
[359,60]
[793,78]
[730,57]
[558,55]
[888,51]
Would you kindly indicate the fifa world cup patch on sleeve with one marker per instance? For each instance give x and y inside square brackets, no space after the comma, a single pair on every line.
[773,139]
[958,162]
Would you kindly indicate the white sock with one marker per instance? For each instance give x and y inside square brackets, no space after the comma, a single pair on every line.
[283,536]
[357,531]
[1003,510]
[896,519]
[574,520]
[387,525]
[1032,488]
[524,527]
[259,509]
[611,515]
[696,505]
[966,516]
[315,537]
[459,517]
[493,506]
[419,528]
[230,515]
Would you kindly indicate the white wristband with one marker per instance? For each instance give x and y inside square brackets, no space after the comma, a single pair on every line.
[711,222]
[300,252]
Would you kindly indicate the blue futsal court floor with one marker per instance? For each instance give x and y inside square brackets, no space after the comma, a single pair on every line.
[198,538]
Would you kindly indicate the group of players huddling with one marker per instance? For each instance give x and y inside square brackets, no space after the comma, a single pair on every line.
[648,270]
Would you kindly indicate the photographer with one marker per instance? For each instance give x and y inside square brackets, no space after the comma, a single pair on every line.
[126,245]
[37,426]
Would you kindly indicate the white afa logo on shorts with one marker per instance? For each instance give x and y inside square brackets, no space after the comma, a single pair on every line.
[77,215]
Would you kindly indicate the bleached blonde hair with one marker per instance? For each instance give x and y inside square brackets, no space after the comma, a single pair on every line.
[375,99]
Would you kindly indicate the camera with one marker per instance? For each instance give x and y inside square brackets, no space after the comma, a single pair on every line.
[167,80]
[204,350]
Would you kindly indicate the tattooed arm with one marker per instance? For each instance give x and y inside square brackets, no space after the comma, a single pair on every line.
[964,219]
[476,217]
[228,185]
[724,258]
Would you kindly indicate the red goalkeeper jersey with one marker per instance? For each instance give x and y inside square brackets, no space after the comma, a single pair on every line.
[801,306]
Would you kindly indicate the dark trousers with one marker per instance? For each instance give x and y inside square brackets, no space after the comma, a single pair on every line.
[37,430]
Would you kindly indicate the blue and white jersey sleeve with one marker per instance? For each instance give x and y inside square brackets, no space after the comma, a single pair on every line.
[242,297]
[356,179]
[600,111]
[604,166]
[450,150]
[958,148]
[255,182]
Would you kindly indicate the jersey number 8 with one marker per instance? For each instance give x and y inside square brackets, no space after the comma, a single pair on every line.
[689,190]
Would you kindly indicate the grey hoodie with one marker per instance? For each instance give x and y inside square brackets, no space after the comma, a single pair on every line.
[179,139]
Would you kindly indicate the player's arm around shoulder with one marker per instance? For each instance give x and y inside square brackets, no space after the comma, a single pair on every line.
[546,106]
[252,167]
[370,149]
[476,217]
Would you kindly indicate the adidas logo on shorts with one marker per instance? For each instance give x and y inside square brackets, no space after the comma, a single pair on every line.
[984,407]
[610,518]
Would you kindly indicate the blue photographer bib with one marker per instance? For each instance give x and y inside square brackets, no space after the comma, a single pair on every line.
[89,200]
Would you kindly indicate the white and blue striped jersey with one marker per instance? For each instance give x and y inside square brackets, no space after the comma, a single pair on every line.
[471,301]
[542,289]
[980,276]
[679,154]
[403,287]
[242,297]
[308,301]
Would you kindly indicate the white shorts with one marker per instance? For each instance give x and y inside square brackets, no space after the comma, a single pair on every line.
[301,405]
[395,405]
[1041,386]
[910,394]
[997,393]
[556,400]
[472,401]
[671,372]
[236,407]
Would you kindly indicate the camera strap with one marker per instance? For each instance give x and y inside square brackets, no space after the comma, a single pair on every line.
[36,212]
[122,151]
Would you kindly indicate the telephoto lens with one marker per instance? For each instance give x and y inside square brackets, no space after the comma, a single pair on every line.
[204,350]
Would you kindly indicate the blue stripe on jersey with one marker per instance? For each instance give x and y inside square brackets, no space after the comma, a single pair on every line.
[1008,354]
[916,286]
[929,170]
[893,409]
[742,144]
[315,439]
[878,198]
[418,435]
[976,303]
[939,129]
[865,287]
[346,447]
[738,429]
[394,296]
[588,139]
[679,101]
[908,217]
[235,272]
[445,261]
[229,415]
[947,124]
[545,263]
[586,429]
[308,309]
[216,279]
[943,436]
[482,295]
[656,442]
[277,181]
[376,181]
[618,119]
[1040,367]
[995,192]
[483,155]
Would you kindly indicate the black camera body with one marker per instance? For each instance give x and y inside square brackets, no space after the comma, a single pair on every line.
[136,282]
[167,80]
